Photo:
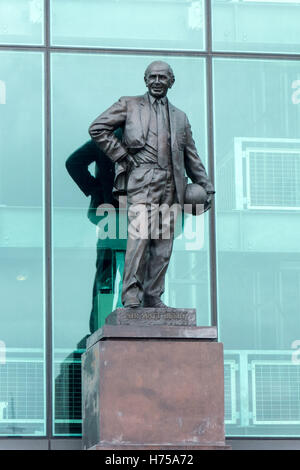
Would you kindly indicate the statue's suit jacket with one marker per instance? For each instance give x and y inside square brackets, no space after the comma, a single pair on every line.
[132,113]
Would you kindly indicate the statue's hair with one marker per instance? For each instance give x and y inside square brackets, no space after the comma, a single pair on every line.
[170,71]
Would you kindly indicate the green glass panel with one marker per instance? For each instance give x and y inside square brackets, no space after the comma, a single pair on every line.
[22,367]
[257,148]
[256,25]
[21,21]
[133,24]
[83,86]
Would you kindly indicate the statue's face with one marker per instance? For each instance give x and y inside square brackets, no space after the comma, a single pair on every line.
[158,80]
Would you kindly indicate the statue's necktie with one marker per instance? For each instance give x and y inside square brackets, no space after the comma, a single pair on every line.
[162,135]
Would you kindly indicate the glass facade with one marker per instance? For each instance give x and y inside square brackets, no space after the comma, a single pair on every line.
[63,62]
[22,22]
[129,24]
[257,149]
[22,369]
[256,25]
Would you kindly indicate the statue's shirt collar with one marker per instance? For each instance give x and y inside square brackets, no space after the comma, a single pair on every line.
[161,100]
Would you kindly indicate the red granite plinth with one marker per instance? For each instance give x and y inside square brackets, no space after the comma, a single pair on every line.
[109,446]
[154,393]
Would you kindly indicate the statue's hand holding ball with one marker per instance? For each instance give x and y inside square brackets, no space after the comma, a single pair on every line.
[197,198]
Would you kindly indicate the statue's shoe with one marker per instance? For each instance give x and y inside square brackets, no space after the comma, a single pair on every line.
[132,305]
[154,303]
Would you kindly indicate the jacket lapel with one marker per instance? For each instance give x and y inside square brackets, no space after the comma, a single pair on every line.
[145,114]
[172,117]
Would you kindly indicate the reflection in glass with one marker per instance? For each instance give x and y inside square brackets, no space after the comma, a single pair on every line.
[22,370]
[21,21]
[256,25]
[132,24]
[106,295]
[258,201]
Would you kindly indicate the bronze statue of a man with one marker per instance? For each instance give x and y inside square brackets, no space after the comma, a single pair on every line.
[156,151]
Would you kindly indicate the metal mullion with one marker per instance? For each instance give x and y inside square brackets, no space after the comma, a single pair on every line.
[179,53]
[48,225]
[255,55]
[208,27]
[145,52]
[126,51]
[16,47]
[211,167]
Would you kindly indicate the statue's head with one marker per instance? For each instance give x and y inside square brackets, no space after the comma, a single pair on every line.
[159,77]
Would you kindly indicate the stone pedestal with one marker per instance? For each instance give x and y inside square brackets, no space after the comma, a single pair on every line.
[153,386]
